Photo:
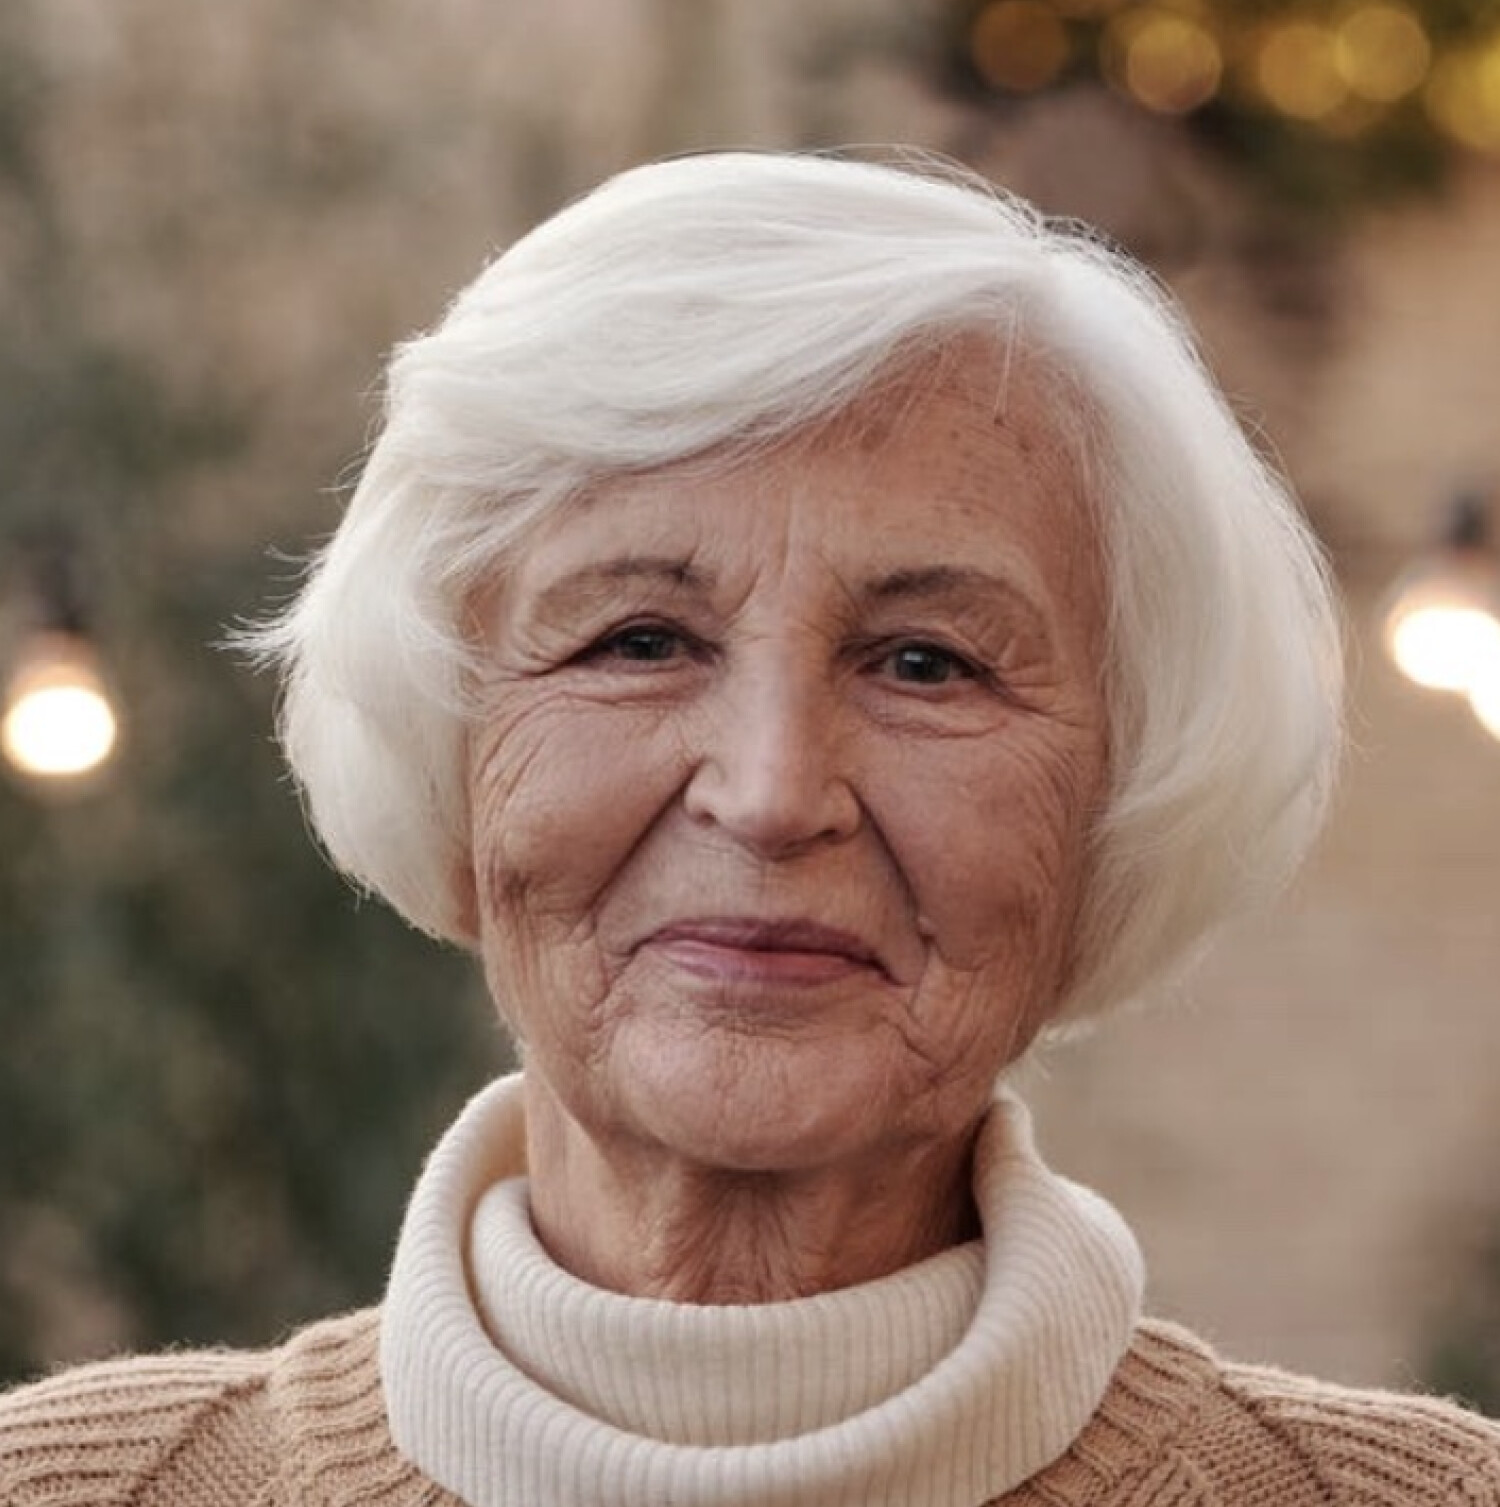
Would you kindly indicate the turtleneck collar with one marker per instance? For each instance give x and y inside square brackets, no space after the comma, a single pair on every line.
[515,1385]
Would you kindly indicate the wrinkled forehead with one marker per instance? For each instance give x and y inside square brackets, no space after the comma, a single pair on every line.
[968,389]
[1000,427]
[939,465]
[997,427]
[999,383]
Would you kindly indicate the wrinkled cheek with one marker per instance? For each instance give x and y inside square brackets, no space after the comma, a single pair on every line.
[508,803]
[1008,936]
[505,883]
[1015,911]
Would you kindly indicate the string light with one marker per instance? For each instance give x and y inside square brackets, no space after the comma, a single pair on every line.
[1296,68]
[1381,52]
[1165,59]
[1019,45]
[1443,641]
[1484,699]
[59,722]
[1442,623]
[1342,66]
[1463,96]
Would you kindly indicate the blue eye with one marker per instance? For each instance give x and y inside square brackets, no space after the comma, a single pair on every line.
[926,664]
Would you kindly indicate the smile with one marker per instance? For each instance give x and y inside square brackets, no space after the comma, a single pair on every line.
[788,953]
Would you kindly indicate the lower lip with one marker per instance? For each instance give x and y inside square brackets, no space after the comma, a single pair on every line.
[754,965]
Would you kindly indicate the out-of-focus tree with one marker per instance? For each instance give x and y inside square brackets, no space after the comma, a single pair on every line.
[220,1070]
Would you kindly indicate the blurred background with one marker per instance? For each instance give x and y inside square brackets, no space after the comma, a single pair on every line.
[219,1069]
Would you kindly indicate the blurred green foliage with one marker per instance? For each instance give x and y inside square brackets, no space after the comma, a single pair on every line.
[220,1068]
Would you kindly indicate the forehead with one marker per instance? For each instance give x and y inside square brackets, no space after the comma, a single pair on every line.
[963,455]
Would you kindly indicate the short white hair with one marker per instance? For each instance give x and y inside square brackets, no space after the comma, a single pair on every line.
[717,300]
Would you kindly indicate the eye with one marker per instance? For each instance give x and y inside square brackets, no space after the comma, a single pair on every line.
[926,665]
[641,643]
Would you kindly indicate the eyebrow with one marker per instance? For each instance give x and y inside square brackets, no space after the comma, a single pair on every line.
[926,583]
[600,581]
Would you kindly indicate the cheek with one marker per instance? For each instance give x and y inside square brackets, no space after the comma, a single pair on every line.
[560,795]
[1001,857]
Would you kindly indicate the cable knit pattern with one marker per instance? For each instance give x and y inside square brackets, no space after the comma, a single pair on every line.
[103,1434]
[305,1426]
[309,1424]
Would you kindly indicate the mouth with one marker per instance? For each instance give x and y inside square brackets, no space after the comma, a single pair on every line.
[755,950]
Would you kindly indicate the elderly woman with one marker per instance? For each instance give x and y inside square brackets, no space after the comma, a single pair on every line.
[810,628]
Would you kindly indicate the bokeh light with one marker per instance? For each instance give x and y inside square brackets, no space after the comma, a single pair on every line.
[1167,60]
[1381,52]
[1297,69]
[1463,96]
[1484,698]
[1444,646]
[1019,45]
[58,721]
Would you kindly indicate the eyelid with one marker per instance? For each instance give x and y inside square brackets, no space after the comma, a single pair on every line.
[610,639]
[879,649]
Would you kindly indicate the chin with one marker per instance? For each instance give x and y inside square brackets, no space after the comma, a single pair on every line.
[765,1107]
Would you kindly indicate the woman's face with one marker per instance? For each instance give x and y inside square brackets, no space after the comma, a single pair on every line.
[783,777]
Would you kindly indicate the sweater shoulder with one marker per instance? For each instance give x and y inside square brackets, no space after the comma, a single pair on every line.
[1372,1448]
[99,1433]
[1179,1424]
[141,1430]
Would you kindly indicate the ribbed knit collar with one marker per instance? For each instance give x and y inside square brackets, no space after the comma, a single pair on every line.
[515,1385]
[687,1373]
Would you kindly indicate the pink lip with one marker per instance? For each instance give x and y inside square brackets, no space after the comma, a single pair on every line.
[764,951]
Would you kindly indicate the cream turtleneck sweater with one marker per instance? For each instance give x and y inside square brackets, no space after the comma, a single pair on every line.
[945,1385]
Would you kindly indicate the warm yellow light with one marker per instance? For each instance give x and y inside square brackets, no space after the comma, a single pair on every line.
[1484,698]
[1444,647]
[1297,70]
[1463,97]
[1165,59]
[1381,52]
[1019,45]
[58,719]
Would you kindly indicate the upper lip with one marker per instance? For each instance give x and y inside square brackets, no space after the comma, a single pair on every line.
[764,934]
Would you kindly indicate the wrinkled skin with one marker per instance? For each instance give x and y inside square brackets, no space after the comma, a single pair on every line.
[781,792]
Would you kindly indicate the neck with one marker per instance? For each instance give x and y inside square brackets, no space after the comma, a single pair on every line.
[638,1220]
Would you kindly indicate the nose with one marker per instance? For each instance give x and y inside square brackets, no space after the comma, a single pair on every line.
[771,771]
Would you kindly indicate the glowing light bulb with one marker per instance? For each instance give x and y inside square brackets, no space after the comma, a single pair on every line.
[1484,698]
[1444,647]
[1442,618]
[58,721]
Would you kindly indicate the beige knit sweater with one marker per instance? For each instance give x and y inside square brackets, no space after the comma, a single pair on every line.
[305,1426]
[1015,1371]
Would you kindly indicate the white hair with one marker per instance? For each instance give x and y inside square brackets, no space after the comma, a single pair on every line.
[722,299]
